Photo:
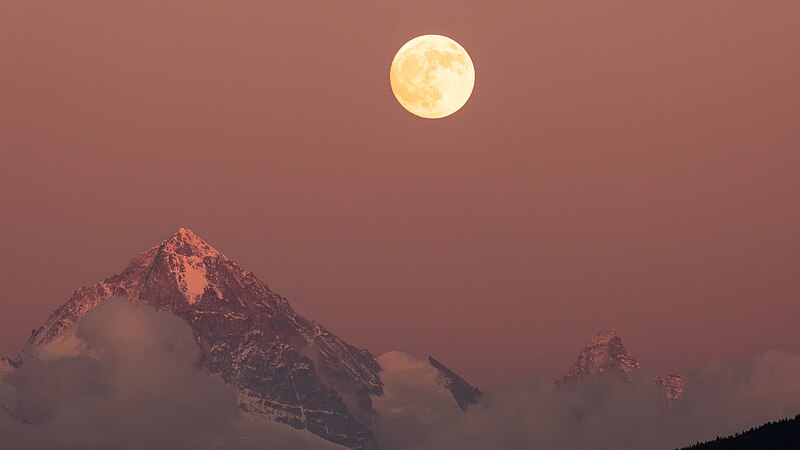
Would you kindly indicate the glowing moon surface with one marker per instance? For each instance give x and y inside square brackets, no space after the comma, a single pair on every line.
[432,76]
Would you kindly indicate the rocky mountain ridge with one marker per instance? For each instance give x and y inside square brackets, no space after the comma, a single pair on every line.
[286,368]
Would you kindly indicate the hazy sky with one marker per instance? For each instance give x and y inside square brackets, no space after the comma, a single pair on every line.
[628,165]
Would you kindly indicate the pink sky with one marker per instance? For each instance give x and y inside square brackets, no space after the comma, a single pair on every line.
[627,165]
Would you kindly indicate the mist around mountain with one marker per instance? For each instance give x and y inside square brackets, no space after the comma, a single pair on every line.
[609,409]
[781,435]
[185,349]
[137,386]
[605,356]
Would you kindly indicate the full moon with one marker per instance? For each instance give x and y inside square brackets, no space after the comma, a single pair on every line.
[432,76]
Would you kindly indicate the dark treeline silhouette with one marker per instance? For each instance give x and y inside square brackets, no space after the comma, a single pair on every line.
[780,435]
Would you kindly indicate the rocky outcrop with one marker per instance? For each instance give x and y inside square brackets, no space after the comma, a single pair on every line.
[605,355]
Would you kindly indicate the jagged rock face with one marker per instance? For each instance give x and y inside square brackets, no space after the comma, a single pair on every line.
[463,392]
[605,354]
[286,367]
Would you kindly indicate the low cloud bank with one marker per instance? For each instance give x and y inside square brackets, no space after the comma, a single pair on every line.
[142,388]
[608,414]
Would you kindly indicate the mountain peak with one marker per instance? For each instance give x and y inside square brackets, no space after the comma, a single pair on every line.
[185,232]
[189,259]
[604,353]
[185,242]
[604,338]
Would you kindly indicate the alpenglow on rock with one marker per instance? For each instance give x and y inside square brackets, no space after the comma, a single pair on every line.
[605,355]
[673,385]
[286,368]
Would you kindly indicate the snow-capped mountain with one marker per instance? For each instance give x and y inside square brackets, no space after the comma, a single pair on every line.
[286,367]
[425,389]
[604,355]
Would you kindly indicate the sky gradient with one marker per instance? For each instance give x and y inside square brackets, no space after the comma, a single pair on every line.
[628,165]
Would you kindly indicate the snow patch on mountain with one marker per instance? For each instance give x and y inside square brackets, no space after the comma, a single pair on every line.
[192,278]
[412,387]
[191,255]
[63,345]
[6,366]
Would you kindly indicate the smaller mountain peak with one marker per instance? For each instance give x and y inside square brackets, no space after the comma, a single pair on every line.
[604,338]
[604,353]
